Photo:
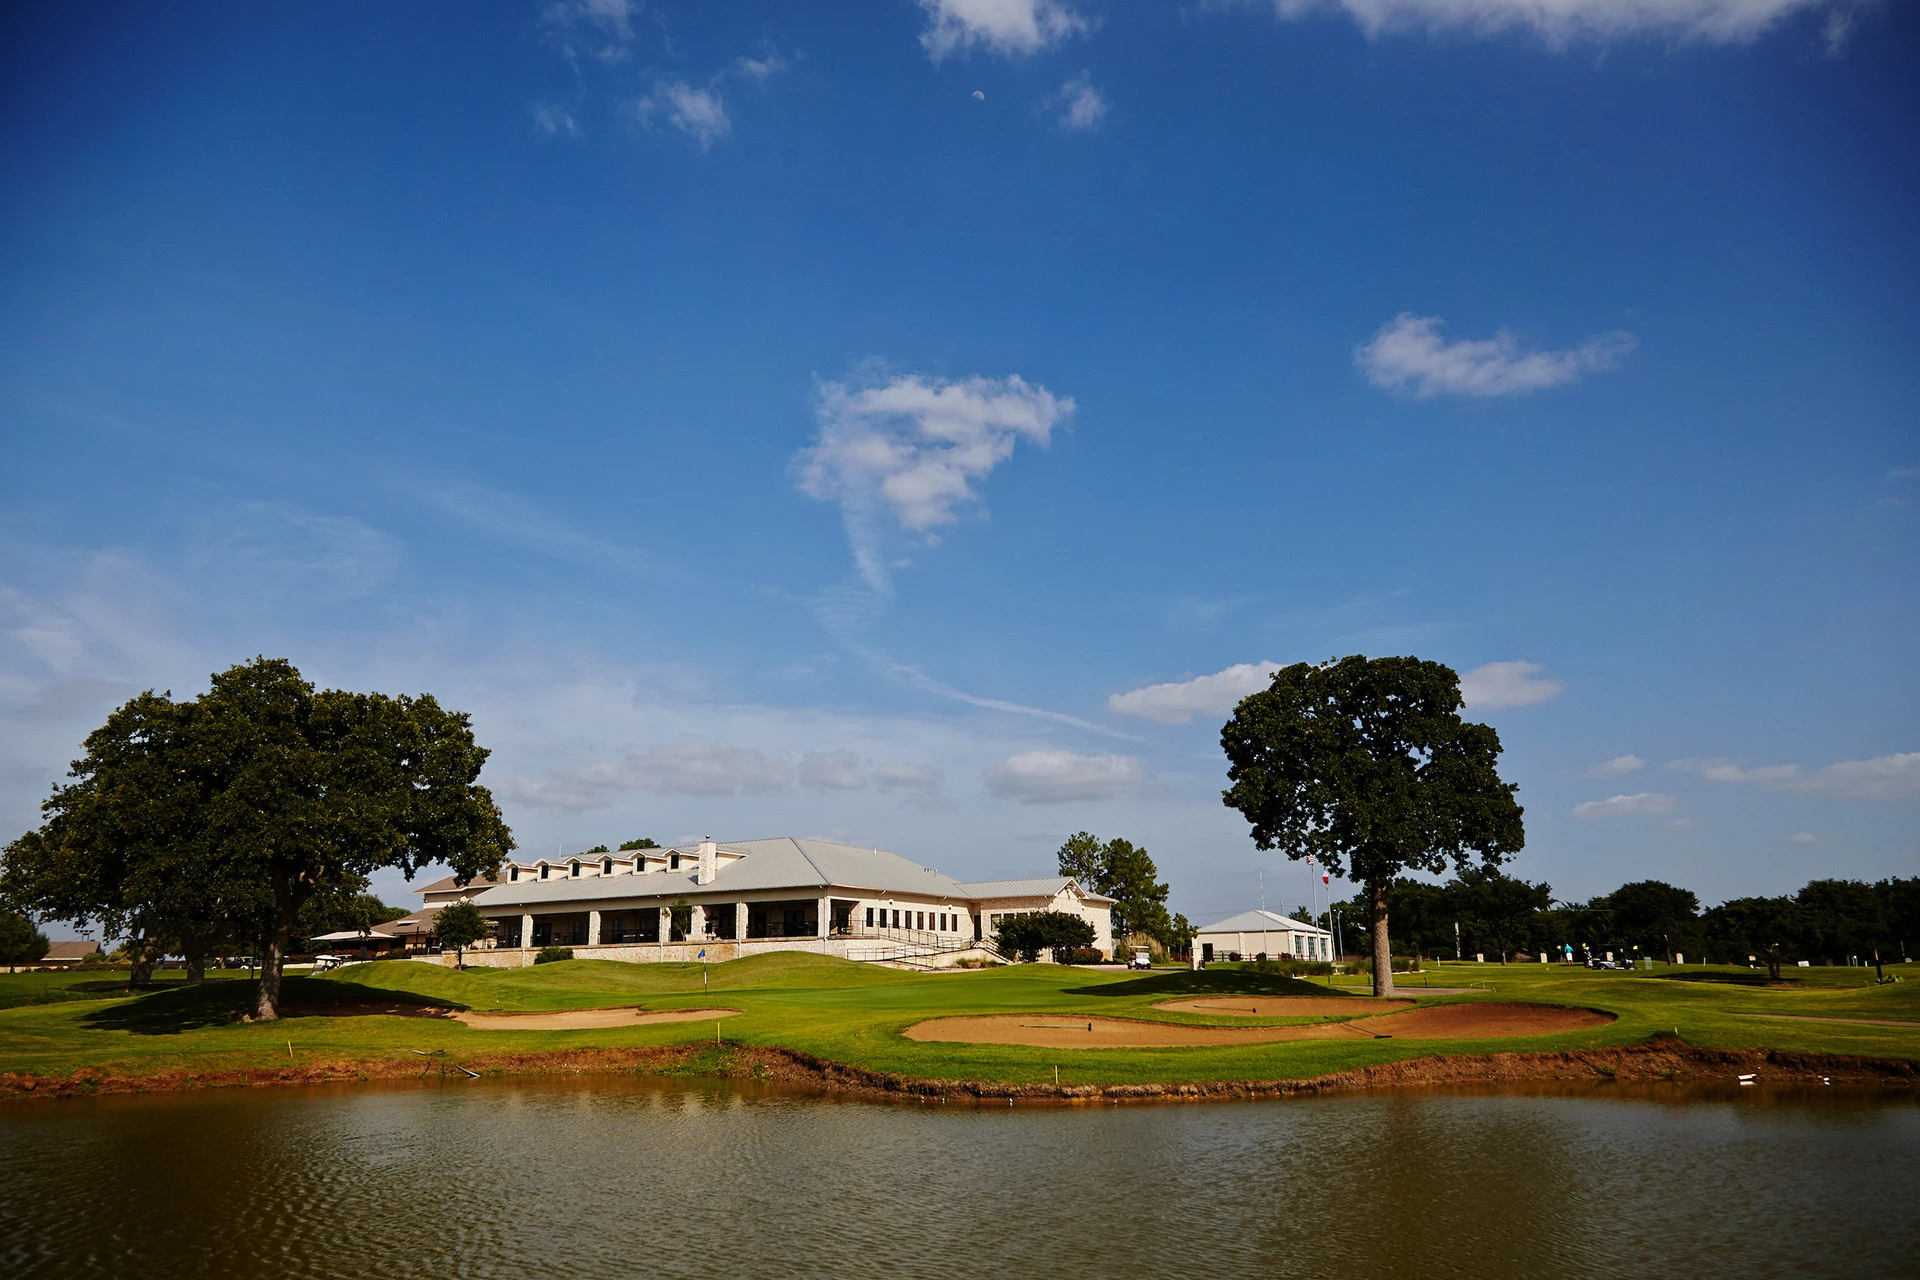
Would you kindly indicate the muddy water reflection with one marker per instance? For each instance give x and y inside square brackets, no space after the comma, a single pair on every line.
[623,1179]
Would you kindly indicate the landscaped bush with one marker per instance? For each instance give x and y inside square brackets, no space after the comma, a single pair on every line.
[549,954]
[1293,968]
[1401,964]
[1078,955]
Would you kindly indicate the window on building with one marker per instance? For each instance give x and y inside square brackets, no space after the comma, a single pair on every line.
[869,917]
[544,870]
[513,873]
[573,868]
[606,866]
[896,918]
[673,862]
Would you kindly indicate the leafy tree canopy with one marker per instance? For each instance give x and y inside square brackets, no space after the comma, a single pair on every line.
[1365,765]
[1026,935]
[228,814]
[459,925]
[20,941]
[1648,913]
[1123,871]
[641,843]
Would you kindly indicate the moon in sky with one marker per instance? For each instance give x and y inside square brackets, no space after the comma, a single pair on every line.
[979,96]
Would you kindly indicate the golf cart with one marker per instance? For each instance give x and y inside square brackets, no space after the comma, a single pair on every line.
[1141,960]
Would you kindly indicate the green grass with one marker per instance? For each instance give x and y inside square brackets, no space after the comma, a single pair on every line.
[52,1024]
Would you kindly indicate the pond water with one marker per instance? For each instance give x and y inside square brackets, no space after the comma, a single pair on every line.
[622,1178]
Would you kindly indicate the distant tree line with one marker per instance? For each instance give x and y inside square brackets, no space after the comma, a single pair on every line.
[1826,922]
[250,818]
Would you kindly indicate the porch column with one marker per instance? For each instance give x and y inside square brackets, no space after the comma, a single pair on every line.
[697,926]
[739,922]
[826,915]
[666,925]
[593,928]
[526,931]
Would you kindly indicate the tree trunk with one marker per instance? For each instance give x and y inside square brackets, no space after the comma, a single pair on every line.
[196,968]
[274,955]
[266,1007]
[143,957]
[1382,951]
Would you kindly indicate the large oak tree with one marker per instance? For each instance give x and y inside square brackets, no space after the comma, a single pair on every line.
[1366,765]
[234,811]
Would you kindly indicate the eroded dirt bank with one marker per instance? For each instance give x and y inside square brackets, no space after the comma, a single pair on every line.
[1661,1061]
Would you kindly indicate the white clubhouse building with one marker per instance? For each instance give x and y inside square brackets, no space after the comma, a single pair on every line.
[744,897]
[1256,933]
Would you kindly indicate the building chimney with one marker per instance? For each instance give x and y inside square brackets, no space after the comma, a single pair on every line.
[709,861]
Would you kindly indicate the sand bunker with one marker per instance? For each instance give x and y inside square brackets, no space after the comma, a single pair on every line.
[1286,1006]
[587,1019]
[1443,1022]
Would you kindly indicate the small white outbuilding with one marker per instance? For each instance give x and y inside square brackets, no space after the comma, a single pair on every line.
[1255,933]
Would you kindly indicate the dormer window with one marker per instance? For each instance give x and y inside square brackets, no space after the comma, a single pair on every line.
[545,871]
[573,868]
[673,862]
[513,874]
[606,866]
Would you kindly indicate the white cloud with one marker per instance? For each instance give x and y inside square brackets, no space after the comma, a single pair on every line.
[1409,355]
[1615,767]
[831,771]
[909,779]
[1889,777]
[915,446]
[698,113]
[1804,837]
[1082,107]
[1637,805]
[1014,28]
[690,769]
[759,70]
[601,29]
[1562,22]
[1179,702]
[1507,684]
[1052,777]
[551,117]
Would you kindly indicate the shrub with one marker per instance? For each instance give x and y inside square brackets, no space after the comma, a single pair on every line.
[1401,964]
[1079,955]
[549,954]
[1293,968]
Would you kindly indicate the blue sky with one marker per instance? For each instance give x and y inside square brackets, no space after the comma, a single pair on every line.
[914,423]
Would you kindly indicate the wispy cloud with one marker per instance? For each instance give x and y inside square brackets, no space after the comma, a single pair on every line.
[913,448]
[908,779]
[554,117]
[1563,22]
[1081,106]
[1408,355]
[1640,804]
[1507,684]
[1055,777]
[701,114]
[921,680]
[1013,28]
[1617,766]
[1179,702]
[1888,777]
[598,29]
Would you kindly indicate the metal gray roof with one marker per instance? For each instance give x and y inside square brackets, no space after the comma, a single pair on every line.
[1043,887]
[785,862]
[1257,921]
